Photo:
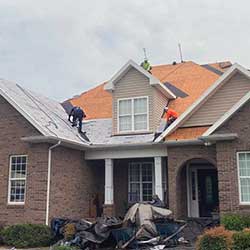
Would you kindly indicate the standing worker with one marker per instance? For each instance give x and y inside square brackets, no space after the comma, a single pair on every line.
[170,116]
[78,114]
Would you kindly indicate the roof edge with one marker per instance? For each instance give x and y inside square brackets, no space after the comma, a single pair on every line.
[203,98]
[23,113]
[53,139]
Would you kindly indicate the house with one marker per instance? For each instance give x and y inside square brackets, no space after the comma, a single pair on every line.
[199,164]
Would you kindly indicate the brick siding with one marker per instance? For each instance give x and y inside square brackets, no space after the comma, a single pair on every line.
[73,182]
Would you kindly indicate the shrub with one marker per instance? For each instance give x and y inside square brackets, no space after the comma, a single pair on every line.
[235,222]
[217,238]
[27,235]
[241,240]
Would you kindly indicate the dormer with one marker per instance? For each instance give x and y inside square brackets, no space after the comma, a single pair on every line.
[138,99]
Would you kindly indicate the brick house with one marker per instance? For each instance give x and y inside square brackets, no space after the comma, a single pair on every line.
[197,165]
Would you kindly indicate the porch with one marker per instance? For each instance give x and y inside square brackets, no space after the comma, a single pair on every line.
[126,181]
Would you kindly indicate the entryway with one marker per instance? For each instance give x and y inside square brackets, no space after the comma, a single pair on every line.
[202,190]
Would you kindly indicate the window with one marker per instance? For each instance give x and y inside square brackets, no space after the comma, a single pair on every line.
[133,114]
[244,177]
[140,181]
[17,179]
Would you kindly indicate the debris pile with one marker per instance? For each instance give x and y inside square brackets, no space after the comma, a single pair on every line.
[143,225]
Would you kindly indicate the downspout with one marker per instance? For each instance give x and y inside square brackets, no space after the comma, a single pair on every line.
[48,181]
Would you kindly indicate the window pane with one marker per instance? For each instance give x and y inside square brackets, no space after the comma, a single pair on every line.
[17,191]
[147,173]
[125,107]
[244,165]
[147,191]
[134,194]
[140,122]
[245,189]
[125,123]
[134,171]
[17,178]
[140,106]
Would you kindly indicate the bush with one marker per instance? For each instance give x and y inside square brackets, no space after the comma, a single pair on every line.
[27,235]
[241,240]
[217,238]
[235,222]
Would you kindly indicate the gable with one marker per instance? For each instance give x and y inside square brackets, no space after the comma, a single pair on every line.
[238,123]
[13,124]
[133,83]
[220,102]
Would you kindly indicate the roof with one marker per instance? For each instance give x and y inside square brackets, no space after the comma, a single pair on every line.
[188,77]
[99,131]
[46,115]
[96,102]
[202,99]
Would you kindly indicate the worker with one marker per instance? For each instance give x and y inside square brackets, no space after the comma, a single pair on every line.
[146,65]
[156,201]
[170,116]
[78,114]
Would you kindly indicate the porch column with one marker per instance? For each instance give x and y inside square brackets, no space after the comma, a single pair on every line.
[109,186]
[158,177]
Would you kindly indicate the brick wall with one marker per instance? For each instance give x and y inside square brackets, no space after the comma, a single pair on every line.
[73,182]
[227,162]
[12,127]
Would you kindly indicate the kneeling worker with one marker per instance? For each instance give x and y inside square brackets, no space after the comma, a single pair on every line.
[170,116]
[78,114]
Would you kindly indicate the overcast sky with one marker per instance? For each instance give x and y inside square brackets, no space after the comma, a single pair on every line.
[63,47]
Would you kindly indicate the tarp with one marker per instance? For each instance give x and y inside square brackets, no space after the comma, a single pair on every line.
[143,215]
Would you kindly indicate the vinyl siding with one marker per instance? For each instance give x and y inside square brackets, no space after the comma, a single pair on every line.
[133,84]
[159,103]
[230,93]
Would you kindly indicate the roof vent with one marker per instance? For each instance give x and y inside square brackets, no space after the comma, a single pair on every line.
[174,63]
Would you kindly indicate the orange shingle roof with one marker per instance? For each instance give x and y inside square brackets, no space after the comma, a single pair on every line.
[187,133]
[96,103]
[189,77]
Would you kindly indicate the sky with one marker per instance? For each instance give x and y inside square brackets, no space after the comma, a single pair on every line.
[62,48]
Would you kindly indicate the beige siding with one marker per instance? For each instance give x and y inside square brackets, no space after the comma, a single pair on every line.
[231,92]
[133,84]
[159,103]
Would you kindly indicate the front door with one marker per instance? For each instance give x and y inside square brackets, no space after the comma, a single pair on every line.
[208,191]
[202,185]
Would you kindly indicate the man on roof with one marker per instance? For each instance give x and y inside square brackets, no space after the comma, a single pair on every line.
[78,114]
[170,116]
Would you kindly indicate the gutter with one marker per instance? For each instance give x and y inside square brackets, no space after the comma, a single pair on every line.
[54,139]
[48,181]
[219,137]
[124,145]
[185,142]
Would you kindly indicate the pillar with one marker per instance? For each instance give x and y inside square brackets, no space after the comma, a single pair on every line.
[158,177]
[108,208]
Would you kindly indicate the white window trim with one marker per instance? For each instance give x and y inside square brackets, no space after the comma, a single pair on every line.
[9,184]
[239,186]
[140,181]
[132,114]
